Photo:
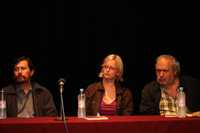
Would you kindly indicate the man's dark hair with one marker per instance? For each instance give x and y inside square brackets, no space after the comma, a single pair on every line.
[30,63]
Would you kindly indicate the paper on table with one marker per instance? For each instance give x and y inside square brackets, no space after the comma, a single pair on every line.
[96,118]
[194,114]
[170,116]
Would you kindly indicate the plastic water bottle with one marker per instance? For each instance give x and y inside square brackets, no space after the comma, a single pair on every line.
[181,104]
[3,114]
[81,104]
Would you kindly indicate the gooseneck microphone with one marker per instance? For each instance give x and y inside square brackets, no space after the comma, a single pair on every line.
[61,83]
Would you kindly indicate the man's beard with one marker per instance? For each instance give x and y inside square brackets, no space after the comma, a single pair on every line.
[20,79]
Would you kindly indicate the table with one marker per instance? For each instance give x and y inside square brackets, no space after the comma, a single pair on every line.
[114,124]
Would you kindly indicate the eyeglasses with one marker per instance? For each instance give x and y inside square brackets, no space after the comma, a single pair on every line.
[109,67]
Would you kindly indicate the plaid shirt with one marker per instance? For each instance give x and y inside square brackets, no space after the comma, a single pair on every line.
[167,104]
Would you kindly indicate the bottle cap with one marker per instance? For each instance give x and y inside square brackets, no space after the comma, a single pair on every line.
[81,90]
[181,88]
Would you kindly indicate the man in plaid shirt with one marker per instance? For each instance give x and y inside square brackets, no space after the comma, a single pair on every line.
[159,97]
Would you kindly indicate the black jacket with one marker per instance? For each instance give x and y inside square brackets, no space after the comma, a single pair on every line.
[95,92]
[151,95]
[43,103]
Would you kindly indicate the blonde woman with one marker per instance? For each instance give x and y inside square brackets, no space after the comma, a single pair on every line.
[108,96]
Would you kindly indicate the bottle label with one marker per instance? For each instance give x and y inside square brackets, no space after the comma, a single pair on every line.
[2,104]
[181,104]
[181,101]
[81,104]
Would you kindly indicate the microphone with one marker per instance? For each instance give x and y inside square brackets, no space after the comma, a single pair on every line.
[61,83]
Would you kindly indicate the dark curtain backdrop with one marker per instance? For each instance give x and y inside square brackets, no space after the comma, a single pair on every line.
[69,39]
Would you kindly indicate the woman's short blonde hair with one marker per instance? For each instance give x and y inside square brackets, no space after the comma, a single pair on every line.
[119,63]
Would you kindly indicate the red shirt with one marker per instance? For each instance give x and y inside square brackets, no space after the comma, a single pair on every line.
[108,109]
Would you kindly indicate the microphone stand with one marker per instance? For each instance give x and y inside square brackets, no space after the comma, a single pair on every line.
[62,111]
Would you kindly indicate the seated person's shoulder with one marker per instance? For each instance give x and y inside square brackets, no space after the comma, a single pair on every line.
[153,85]
[127,92]
[9,89]
[40,88]
[92,88]
[93,85]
